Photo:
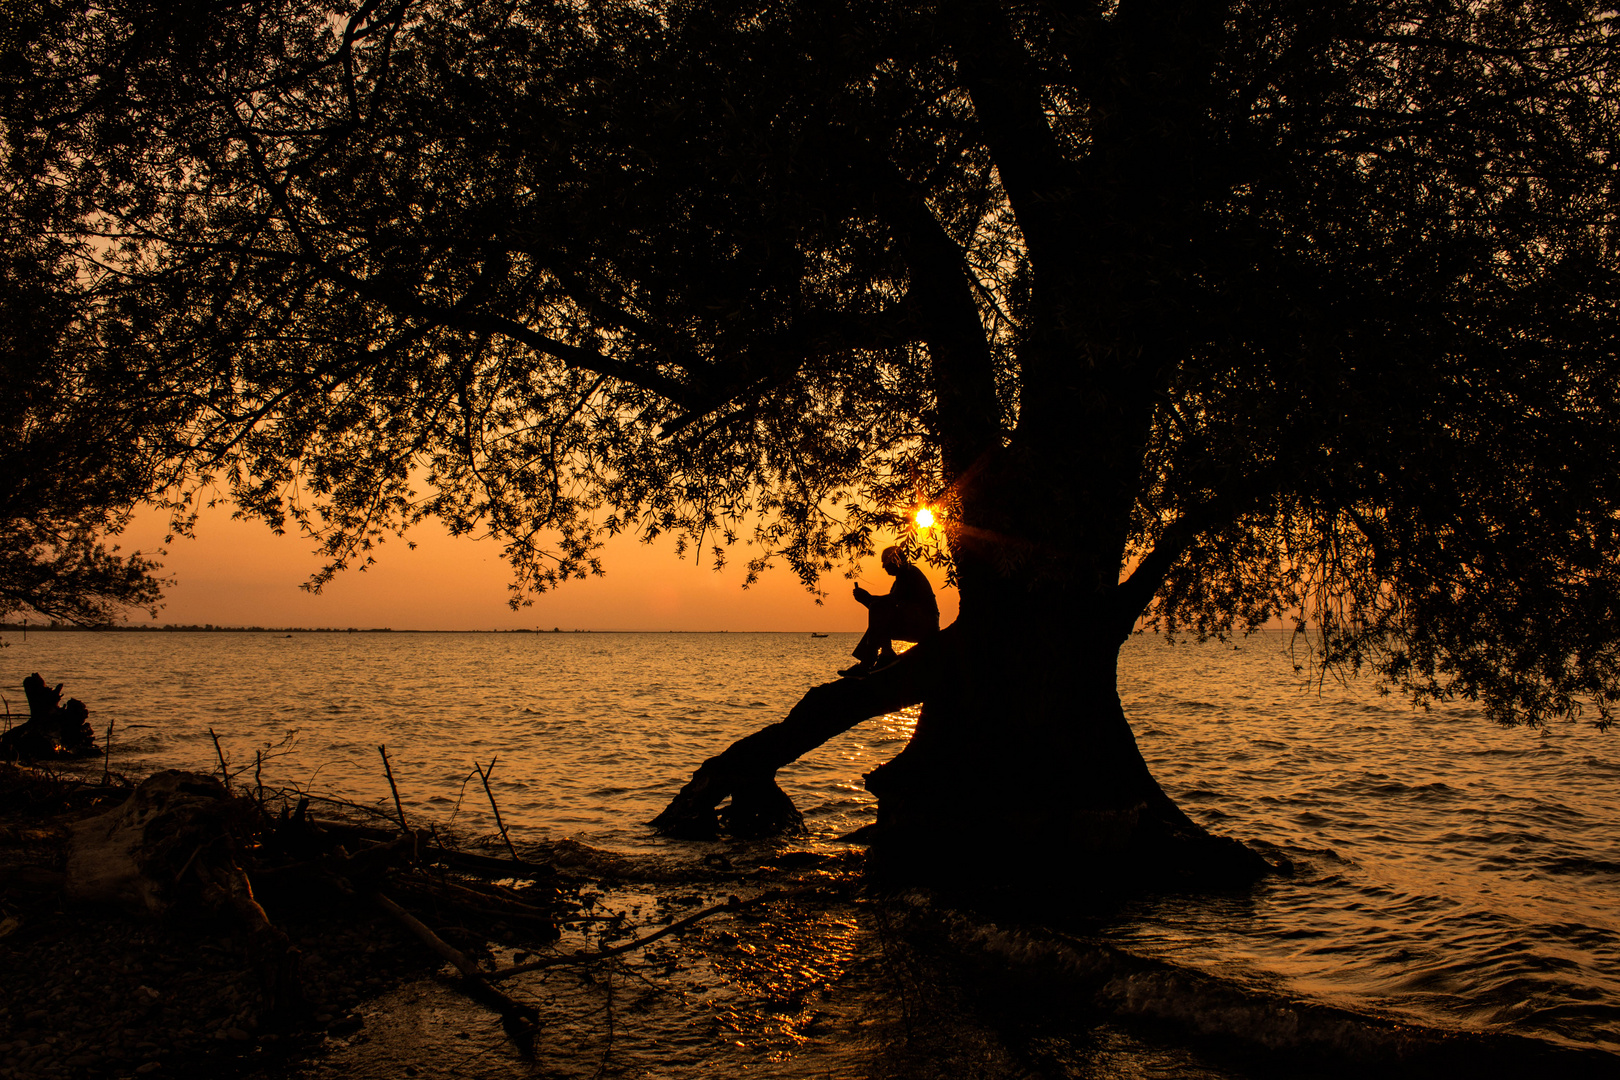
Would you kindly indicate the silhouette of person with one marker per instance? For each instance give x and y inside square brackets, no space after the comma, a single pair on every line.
[907,613]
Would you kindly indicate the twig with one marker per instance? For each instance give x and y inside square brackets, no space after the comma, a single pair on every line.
[607,1052]
[106,750]
[484,775]
[517,1019]
[387,768]
[462,794]
[224,769]
[515,908]
[731,904]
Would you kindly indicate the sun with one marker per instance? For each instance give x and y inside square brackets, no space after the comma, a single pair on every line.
[925,518]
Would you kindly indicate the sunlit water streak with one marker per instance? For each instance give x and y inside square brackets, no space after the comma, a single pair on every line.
[1452,873]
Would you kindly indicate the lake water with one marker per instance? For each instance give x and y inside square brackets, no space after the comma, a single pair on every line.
[1452,874]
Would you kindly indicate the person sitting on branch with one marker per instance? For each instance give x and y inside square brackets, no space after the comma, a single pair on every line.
[907,613]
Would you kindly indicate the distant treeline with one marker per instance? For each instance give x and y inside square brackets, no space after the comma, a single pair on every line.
[210,628]
[19,628]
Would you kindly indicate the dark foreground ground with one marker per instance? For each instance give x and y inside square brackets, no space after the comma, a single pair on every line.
[831,982]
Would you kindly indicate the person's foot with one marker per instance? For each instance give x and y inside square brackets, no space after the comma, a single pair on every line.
[865,667]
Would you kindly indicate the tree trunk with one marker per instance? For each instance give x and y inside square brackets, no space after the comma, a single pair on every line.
[1023,771]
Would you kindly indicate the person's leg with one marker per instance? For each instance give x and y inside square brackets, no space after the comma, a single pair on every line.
[886,625]
[875,642]
[871,644]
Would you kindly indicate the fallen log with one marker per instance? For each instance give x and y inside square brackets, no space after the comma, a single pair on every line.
[174,843]
[482,865]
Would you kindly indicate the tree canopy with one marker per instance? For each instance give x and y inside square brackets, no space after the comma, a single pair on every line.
[75,452]
[1212,313]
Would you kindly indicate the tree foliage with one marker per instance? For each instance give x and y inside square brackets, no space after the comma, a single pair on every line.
[1216,313]
[74,458]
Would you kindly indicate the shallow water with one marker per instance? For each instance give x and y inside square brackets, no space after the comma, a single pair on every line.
[1452,875]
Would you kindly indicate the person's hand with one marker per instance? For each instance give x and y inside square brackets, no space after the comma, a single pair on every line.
[862,595]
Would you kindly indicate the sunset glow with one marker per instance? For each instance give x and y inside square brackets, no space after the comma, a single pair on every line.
[925,518]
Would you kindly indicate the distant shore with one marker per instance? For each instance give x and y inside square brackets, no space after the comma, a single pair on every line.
[210,628]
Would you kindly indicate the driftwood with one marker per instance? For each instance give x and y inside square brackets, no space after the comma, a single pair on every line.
[139,854]
[182,844]
[745,772]
[518,1020]
[53,729]
[174,844]
[180,841]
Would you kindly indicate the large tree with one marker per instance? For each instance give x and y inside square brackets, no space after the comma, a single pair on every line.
[1208,314]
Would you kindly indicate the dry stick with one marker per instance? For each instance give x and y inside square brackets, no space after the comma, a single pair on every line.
[383,750]
[518,1019]
[517,908]
[607,1052]
[106,751]
[499,824]
[732,904]
[224,770]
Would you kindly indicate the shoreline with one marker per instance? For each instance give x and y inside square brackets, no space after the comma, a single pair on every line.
[209,628]
[100,991]
[845,983]
[95,990]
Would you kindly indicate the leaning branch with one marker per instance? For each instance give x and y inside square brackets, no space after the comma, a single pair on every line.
[745,771]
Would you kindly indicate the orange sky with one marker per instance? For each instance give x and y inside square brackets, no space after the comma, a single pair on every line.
[240,574]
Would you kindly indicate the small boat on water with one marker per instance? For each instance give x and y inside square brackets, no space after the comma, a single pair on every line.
[813,634]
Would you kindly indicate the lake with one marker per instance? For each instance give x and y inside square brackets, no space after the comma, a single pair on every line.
[1452,874]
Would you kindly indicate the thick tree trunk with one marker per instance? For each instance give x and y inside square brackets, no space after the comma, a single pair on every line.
[1024,771]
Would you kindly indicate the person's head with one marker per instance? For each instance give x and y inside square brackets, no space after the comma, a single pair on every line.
[893,560]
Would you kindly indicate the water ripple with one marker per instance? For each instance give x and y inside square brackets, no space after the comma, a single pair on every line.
[1448,872]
